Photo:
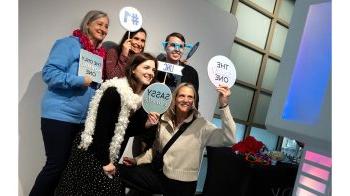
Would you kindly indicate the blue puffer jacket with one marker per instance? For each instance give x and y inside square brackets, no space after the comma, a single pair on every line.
[66,99]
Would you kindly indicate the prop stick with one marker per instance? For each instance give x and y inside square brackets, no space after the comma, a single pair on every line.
[128,34]
[166,74]
[192,51]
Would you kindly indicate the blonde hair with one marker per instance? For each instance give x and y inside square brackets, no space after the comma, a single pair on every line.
[171,112]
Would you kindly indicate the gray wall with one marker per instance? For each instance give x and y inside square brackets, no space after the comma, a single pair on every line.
[41,22]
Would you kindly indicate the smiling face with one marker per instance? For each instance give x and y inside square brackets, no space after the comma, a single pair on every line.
[184,100]
[174,49]
[138,42]
[144,72]
[98,29]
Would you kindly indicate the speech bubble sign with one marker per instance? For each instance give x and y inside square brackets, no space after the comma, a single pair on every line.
[90,64]
[130,19]
[156,98]
[221,71]
[170,68]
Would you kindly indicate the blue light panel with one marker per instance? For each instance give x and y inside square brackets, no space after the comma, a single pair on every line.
[312,70]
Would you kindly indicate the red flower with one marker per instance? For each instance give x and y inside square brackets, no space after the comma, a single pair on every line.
[248,145]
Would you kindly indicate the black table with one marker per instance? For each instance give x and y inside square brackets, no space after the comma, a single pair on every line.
[229,174]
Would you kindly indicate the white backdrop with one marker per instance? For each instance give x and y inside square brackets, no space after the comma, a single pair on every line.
[41,22]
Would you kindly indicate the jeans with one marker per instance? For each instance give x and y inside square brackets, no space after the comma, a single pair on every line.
[58,137]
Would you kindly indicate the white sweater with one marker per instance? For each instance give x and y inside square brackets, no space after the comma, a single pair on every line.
[182,160]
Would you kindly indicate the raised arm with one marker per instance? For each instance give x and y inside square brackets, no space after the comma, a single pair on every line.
[226,135]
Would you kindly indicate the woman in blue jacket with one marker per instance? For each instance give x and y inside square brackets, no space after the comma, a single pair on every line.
[65,103]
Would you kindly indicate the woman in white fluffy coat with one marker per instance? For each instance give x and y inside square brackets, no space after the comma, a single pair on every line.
[114,115]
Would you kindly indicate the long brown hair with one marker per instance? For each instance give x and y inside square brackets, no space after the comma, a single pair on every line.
[132,34]
[133,63]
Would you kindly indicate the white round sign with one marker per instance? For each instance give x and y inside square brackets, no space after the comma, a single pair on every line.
[221,71]
[156,98]
[130,18]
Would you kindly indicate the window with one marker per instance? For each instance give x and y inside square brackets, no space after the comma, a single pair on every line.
[239,129]
[286,10]
[262,108]
[278,40]
[240,102]
[266,137]
[247,63]
[269,5]
[256,53]
[254,32]
[222,4]
[270,74]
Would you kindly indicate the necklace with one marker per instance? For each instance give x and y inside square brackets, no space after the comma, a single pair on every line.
[86,44]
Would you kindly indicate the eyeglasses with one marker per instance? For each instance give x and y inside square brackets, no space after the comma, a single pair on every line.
[177,46]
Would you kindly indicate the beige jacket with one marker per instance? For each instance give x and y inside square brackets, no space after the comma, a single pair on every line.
[182,160]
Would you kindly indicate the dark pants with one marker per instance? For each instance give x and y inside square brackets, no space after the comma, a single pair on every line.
[143,178]
[58,138]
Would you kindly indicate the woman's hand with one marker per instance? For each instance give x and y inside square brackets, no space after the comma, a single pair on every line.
[184,61]
[87,80]
[224,95]
[153,118]
[109,169]
[129,161]
[126,47]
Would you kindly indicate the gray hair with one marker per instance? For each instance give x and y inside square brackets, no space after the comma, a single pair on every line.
[90,17]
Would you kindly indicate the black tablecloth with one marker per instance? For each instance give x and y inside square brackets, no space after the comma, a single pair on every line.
[229,174]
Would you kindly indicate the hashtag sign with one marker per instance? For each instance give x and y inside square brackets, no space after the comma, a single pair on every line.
[130,18]
[134,19]
[126,16]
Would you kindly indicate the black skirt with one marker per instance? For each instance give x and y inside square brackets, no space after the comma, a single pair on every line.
[84,176]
